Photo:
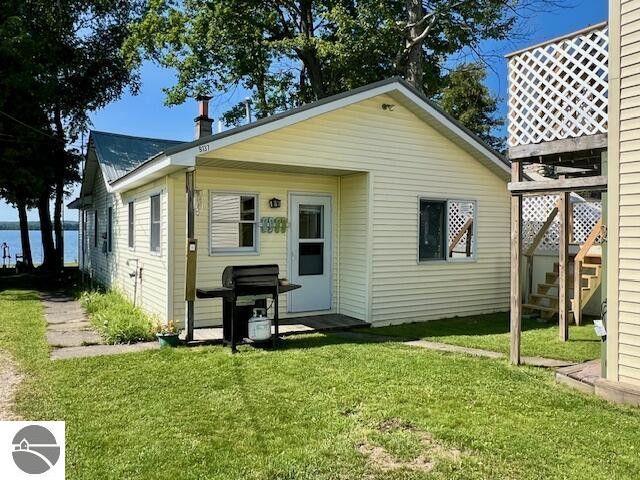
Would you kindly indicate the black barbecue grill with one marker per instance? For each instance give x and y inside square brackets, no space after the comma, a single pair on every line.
[256,283]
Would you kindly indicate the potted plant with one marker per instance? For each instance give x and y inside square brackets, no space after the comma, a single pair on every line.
[167,334]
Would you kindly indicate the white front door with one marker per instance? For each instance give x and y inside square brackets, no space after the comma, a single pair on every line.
[310,252]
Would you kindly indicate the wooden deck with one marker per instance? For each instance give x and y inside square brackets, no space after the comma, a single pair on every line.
[292,326]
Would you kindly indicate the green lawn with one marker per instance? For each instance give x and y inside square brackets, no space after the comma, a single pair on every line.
[318,408]
[491,332]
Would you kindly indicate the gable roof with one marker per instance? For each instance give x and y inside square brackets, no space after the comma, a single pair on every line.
[119,154]
[131,161]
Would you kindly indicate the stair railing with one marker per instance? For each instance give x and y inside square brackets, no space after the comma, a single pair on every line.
[577,270]
[530,252]
[466,228]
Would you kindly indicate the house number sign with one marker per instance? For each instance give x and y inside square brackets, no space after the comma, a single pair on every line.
[273,224]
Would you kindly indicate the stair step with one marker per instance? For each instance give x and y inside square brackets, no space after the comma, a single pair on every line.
[542,295]
[550,285]
[532,306]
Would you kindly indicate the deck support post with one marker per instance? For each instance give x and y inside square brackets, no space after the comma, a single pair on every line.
[564,302]
[516,254]
[190,304]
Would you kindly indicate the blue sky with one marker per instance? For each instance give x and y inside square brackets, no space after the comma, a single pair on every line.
[146,114]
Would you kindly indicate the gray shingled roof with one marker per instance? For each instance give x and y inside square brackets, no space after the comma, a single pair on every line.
[119,154]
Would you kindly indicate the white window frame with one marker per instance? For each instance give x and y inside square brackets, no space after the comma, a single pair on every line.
[157,252]
[131,224]
[255,250]
[447,259]
[110,229]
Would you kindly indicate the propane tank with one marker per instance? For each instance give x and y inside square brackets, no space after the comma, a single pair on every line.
[259,325]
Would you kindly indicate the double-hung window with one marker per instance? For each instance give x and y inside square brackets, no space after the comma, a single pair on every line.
[110,229]
[131,225]
[233,222]
[154,241]
[95,229]
[447,230]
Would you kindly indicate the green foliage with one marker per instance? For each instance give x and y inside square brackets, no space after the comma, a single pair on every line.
[290,53]
[117,320]
[301,411]
[466,97]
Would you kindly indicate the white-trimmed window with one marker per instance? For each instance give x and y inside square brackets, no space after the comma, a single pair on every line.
[131,233]
[233,222]
[110,229]
[154,242]
[447,230]
[95,229]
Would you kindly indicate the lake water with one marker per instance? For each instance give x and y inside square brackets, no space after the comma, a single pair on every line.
[12,237]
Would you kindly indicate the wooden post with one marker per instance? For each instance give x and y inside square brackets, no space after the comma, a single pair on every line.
[564,309]
[190,305]
[516,253]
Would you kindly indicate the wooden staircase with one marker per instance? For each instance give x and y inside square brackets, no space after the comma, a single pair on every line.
[586,266]
[545,299]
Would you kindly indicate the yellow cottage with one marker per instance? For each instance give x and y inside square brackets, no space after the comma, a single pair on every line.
[383,208]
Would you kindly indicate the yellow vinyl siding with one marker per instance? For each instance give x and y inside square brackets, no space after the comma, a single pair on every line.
[405,158]
[272,246]
[111,269]
[353,261]
[624,194]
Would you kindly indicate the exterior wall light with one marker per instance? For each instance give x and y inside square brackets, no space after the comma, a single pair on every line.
[275,202]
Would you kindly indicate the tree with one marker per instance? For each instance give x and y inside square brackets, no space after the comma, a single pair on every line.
[290,52]
[467,98]
[74,65]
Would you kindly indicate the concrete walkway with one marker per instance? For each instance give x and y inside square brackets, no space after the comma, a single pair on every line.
[70,333]
[446,347]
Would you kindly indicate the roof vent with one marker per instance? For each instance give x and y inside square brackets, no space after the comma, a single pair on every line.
[203,122]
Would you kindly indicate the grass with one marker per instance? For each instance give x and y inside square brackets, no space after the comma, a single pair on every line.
[117,320]
[302,411]
[491,332]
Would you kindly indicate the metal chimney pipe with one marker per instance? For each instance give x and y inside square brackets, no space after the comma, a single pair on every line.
[247,109]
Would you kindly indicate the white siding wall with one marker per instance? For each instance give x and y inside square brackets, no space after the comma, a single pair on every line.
[111,269]
[624,194]
[354,229]
[273,246]
[406,158]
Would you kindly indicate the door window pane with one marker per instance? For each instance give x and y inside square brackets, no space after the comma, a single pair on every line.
[432,230]
[311,261]
[311,221]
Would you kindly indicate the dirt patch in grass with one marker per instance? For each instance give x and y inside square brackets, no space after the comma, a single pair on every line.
[429,451]
[10,378]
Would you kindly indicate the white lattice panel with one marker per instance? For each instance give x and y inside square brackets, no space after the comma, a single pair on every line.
[559,90]
[459,213]
[535,211]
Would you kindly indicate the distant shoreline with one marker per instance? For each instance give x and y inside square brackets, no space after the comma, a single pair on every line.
[7,225]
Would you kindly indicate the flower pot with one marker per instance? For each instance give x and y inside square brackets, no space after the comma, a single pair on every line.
[168,339]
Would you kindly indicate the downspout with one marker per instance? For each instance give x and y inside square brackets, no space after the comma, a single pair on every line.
[191,250]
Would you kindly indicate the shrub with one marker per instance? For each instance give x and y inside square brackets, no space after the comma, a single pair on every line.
[117,320]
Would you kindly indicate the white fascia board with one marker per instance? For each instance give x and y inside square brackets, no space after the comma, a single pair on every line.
[182,158]
[152,170]
[458,132]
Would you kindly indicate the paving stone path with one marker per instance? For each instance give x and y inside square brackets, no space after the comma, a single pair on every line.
[70,333]
[446,347]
